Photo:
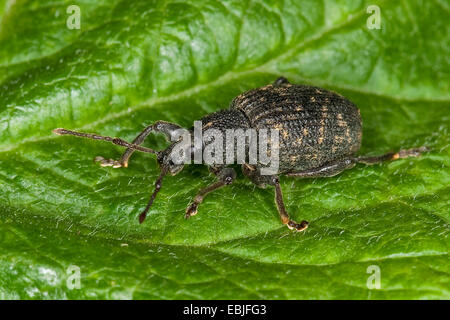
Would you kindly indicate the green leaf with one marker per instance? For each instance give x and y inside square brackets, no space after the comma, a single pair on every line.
[135,62]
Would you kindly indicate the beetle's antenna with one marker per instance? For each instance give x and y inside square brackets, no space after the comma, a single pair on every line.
[158,182]
[116,141]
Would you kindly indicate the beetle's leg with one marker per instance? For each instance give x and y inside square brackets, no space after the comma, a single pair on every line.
[159,126]
[282,210]
[226,176]
[334,168]
[414,152]
[327,170]
[262,181]
[280,81]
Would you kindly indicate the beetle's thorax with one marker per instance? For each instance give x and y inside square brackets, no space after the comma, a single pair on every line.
[225,119]
[219,129]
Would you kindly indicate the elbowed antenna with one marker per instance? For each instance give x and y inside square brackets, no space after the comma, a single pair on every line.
[116,141]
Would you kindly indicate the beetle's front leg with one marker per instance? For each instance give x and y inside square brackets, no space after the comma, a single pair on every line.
[159,126]
[225,176]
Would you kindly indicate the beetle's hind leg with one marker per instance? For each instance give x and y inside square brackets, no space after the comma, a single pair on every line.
[327,170]
[226,176]
[159,126]
[333,168]
[405,153]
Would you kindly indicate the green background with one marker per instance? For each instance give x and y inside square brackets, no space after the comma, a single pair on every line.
[134,62]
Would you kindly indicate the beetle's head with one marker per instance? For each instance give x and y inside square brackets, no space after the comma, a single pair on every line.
[167,161]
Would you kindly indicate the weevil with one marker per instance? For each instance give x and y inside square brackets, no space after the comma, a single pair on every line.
[320,134]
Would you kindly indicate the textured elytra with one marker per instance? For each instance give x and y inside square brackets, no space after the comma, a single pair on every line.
[316,126]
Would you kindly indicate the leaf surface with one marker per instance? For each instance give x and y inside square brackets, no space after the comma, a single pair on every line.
[135,62]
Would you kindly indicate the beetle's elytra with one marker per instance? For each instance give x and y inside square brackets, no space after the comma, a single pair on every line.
[319,134]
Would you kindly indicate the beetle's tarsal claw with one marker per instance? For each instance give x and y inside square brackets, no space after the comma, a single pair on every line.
[297,226]
[191,210]
[108,162]
[414,152]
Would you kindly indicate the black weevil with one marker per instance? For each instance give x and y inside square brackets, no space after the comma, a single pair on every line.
[320,133]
